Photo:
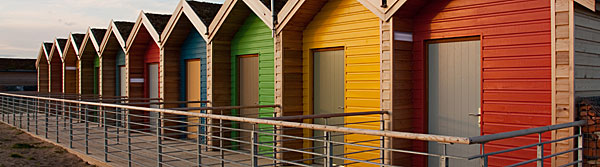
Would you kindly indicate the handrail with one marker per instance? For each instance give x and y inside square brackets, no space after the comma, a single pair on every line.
[224,107]
[299,117]
[504,135]
[167,102]
[392,134]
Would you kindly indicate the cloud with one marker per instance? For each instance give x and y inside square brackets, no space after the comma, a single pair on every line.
[27,23]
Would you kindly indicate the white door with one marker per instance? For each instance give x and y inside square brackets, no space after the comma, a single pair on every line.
[454,97]
[153,90]
[328,94]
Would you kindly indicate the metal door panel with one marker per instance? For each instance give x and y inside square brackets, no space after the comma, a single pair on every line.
[454,97]
[193,90]
[248,92]
[153,90]
[328,93]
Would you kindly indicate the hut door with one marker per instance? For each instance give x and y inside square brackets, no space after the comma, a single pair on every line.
[454,97]
[248,91]
[123,82]
[153,90]
[193,91]
[328,93]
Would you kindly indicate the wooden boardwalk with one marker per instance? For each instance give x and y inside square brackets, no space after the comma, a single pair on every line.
[144,150]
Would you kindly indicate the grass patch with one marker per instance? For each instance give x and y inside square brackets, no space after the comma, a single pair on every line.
[22,146]
[14,155]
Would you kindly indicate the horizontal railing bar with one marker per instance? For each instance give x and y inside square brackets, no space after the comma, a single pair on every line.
[522,147]
[504,135]
[543,157]
[298,117]
[224,107]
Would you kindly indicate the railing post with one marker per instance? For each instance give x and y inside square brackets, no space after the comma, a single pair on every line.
[127,120]
[254,146]
[158,141]
[328,147]
[198,143]
[28,119]
[540,151]
[221,146]
[21,113]
[484,159]
[35,115]
[70,127]
[14,118]
[443,157]
[87,125]
[46,108]
[382,139]
[580,146]
[105,135]
[58,108]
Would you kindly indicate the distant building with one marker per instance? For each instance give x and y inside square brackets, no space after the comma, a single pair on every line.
[18,74]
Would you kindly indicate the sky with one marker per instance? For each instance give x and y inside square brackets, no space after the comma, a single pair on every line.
[25,24]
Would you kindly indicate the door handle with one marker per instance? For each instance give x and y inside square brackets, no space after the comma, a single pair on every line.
[474,115]
[340,107]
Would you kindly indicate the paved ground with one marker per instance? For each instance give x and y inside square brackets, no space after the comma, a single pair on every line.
[20,149]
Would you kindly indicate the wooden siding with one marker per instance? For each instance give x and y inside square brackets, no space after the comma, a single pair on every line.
[254,37]
[109,66]
[70,74]
[151,56]
[56,73]
[42,73]
[562,78]
[348,24]
[587,52]
[516,78]
[86,68]
[194,47]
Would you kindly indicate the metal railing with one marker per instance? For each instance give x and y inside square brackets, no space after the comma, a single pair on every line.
[125,135]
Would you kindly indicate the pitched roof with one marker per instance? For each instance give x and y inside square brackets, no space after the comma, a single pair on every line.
[47,48]
[206,11]
[278,4]
[158,21]
[61,43]
[98,34]
[124,28]
[78,38]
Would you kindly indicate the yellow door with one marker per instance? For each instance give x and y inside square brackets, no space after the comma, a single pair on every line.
[193,91]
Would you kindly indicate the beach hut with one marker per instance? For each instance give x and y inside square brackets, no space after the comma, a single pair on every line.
[112,59]
[142,58]
[70,59]
[240,58]
[491,66]
[41,65]
[183,55]
[89,59]
[56,64]
[332,48]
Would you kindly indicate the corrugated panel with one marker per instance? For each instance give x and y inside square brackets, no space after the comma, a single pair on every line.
[348,24]
[254,37]
[515,62]
[194,47]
